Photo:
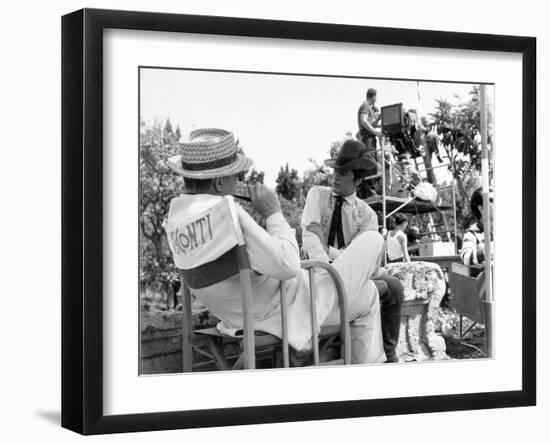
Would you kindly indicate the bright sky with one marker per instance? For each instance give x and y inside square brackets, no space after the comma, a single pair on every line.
[278,118]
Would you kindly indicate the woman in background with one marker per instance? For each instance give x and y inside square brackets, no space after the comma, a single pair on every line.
[397,241]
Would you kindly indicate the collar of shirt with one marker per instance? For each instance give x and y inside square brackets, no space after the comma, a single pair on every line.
[475,229]
[351,199]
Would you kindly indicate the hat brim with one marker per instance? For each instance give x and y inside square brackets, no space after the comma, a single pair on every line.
[242,164]
[361,164]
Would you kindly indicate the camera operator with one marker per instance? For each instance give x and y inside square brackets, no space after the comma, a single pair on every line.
[368,117]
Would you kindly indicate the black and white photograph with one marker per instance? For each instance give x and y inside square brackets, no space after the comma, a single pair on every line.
[290,220]
[275,222]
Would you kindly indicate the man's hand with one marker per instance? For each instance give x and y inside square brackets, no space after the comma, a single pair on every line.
[315,228]
[264,200]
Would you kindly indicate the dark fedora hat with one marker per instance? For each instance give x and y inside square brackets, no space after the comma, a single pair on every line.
[352,155]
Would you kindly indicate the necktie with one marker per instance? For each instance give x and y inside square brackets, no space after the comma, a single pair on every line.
[336,232]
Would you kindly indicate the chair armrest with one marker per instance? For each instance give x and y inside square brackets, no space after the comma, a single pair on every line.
[335,275]
[342,302]
[338,283]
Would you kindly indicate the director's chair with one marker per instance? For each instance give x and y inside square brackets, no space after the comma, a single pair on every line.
[222,256]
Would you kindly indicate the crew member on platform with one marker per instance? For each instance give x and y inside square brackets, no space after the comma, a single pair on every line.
[368,117]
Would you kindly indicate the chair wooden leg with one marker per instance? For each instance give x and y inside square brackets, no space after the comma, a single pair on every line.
[248,322]
[202,352]
[467,330]
[186,349]
[219,359]
[284,326]
[345,349]
[314,326]
[239,363]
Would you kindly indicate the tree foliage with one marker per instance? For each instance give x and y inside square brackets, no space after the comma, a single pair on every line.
[457,130]
[157,186]
[321,175]
[254,176]
[168,131]
[471,181]
[289,184]
[316,175]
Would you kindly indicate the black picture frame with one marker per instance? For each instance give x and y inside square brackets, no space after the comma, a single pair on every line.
[82,220]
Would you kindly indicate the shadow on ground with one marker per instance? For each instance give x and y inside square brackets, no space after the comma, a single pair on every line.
[54,417]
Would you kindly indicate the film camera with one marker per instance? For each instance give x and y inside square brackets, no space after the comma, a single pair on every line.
[399,127]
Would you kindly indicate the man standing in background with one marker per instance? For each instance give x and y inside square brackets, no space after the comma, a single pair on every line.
[368,116]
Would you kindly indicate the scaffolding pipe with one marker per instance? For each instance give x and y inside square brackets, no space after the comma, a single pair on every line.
[454,216]
[433,167]
[488,299]
[384,225]
[396,209]
[425,233]
[396,169]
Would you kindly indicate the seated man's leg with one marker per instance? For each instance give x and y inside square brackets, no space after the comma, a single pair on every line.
[356,264]
[365,329]
[390,307]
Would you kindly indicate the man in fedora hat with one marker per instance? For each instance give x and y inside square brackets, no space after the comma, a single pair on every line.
[334,218]
[210,164]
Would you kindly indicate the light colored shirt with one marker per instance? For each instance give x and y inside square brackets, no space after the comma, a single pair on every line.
[273,254]
[395,245]
[473,239]
[357,217]
[371,112]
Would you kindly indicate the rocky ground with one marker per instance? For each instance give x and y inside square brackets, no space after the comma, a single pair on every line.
[448,325]
[161,329]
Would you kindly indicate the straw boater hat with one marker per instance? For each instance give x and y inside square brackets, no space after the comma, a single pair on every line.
[352,155]
[209,153]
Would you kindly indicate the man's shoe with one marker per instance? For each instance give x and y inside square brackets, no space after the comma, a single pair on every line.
[300,358]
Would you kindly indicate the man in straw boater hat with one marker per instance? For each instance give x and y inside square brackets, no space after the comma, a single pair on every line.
[334,219]
[210,165]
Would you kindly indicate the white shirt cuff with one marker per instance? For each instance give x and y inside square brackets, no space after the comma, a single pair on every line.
[274,220]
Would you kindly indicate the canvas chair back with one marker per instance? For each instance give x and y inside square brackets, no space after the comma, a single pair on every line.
[209,247]
[466,284]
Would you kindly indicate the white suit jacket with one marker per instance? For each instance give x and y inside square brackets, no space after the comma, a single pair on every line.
[357,217]
[274,256]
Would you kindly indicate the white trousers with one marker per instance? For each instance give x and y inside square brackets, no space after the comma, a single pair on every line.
[356,265]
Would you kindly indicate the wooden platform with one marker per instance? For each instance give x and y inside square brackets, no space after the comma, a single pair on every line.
[413,207]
